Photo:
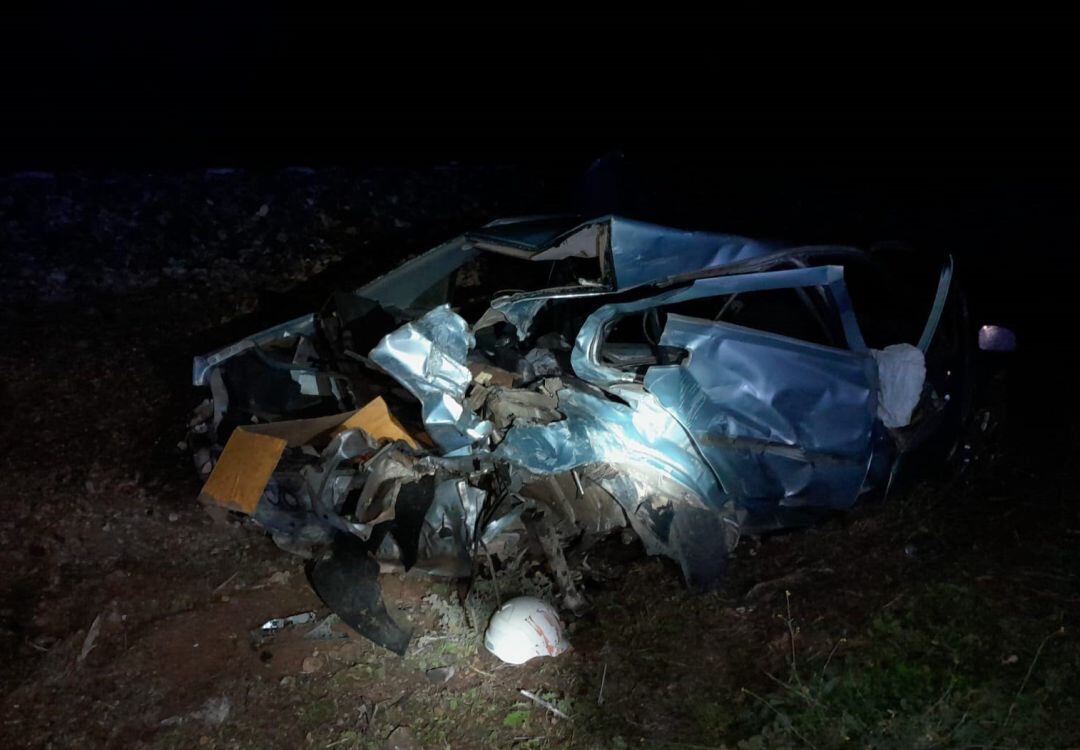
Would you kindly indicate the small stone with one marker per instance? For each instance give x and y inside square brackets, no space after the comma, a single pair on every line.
[400,739]
[351,653]
[440,675]
[174,517]
[264,210]
[214,712]
[312,664]
[287,681]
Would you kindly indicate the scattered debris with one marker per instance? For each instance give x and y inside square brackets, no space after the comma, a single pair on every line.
[280,578]
[280,623]
[684,387]
[324,631]
[546,704]
[221,586]
[214,712]
[91,639]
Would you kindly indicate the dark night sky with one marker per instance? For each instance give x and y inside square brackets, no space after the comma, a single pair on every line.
[927,156]
[255,82]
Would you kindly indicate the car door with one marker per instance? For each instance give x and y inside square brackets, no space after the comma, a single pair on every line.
[787,424]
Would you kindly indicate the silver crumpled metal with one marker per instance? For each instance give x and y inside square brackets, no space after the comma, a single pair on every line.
[784,424]
[427,356]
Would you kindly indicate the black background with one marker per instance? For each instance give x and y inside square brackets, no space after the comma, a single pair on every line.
[970,152]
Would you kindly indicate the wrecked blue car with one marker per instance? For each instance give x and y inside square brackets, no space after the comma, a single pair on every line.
[561,379]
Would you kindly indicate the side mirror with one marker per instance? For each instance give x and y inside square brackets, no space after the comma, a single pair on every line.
[996,339]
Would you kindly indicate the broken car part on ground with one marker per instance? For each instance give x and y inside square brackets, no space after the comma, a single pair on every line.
[539,383]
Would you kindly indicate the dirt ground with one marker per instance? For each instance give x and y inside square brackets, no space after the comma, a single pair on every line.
[945,617]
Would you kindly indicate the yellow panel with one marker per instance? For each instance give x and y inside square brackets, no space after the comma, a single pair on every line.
[376,420]
[240,475]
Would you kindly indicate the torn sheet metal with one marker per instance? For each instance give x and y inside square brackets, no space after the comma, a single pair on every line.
[654,471]
[642,253]
[529,234]
[521,310]
[511,406]
[575,503]
[253,452]
[674,523]
[779,420]
[297,328]
[598,430]
[427,356]
[450,523]
[630,252]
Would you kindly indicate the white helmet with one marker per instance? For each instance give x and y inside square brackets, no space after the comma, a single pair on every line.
[525,628]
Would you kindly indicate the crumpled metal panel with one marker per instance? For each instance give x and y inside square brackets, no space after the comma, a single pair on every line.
[427,356]
[638,253]
[585,356]
[296,328]
[642,252]
[530,233]
[697,537]
[646,460]
[598,430]
[520,310]
[780,421]
[451,521]
[639,437]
